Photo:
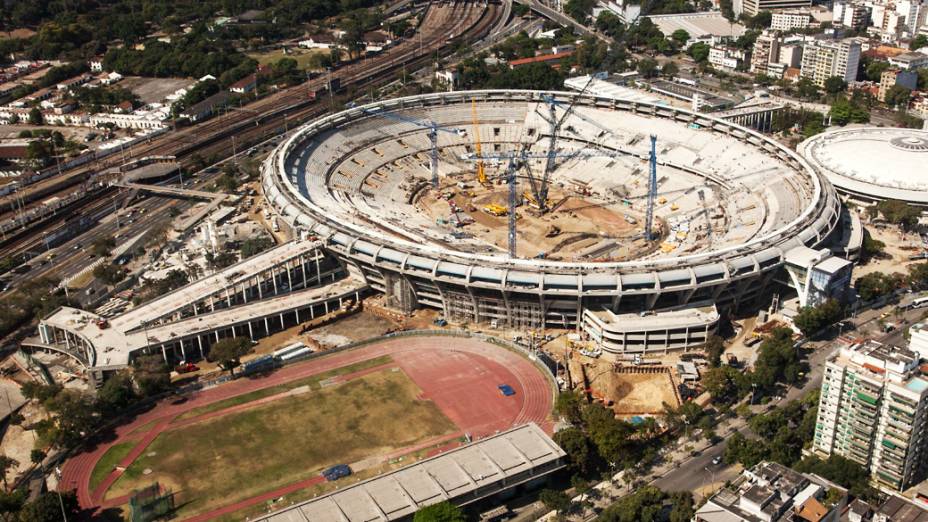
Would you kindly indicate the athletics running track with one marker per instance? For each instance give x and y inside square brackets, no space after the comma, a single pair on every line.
[460,375]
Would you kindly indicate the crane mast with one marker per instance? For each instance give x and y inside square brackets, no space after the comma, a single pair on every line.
[652,191]
[481,171]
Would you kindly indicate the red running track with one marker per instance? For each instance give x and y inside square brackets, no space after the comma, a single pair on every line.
[460,375]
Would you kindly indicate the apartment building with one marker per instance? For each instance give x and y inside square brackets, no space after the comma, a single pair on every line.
[855,16]
[892,77]
[872,410]
[729,58]
[752,7]
[790,20]
[766,51]
[822,59]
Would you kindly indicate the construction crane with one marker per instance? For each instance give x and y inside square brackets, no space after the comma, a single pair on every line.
[517,159]
[433,128]
[481,171]
[652,191]
[556,123]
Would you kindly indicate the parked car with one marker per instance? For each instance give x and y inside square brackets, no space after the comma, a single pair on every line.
[336,472]
[716,461]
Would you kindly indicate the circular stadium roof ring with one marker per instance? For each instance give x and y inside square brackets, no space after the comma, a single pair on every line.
[872,163]
[730,202]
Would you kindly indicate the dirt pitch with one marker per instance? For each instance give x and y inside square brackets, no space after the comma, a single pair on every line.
[637,393]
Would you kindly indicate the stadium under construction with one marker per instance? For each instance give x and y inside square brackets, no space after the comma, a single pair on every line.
[529,209]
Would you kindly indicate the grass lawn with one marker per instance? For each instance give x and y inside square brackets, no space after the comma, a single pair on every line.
[303,57]
[312,382]
[109,459]
[236,456]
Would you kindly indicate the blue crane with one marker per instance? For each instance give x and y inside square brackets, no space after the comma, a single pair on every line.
[433,128]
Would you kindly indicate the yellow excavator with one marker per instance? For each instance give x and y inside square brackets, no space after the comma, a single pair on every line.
[481,173]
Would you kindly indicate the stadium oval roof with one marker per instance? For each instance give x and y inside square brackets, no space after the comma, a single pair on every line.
[873,163]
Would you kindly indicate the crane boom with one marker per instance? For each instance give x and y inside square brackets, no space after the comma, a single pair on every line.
[552,143]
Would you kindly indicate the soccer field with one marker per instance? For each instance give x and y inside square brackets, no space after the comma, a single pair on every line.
[246,452]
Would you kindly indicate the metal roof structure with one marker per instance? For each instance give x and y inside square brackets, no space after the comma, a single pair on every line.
[461,476]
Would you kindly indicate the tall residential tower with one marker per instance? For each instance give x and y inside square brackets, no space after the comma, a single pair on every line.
[872,410]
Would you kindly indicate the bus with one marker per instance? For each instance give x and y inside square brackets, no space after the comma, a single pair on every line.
[920,302]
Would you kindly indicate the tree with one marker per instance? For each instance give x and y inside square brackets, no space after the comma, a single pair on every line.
[834,85]
[777,360]
[580,10]
[152,376]
[116,394]
[871,248]
[874,70]
[6,464]
[807,89]
[48,507]
[725,384]
[844,472]
[255,245]
[898,96]
[699,51]
[874,285]
[898,213]
[441,512]
[108,273]
[715,346]
[35,117]
[918,42]
[812,319]
[670,69]
[582,457]
[36,456]
[75,416]
[647,67]
[228,351]
[555,500]
[680,37]
[569,406]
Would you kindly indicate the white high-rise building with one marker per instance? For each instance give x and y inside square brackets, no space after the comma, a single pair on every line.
[822,59]
[873,410]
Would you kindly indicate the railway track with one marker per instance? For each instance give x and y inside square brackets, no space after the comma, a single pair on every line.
[440,22]
[270,116]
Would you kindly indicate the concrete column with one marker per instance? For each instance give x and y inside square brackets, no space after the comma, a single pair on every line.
[289,279]
[251,334]
[212,304]
[200,344]
[267,328]
[164,353]
[217,335]
[244,293]
[183,353]
[274,280]
[258,281]
[303,268]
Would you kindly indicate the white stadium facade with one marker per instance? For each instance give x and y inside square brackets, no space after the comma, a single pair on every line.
[731,204]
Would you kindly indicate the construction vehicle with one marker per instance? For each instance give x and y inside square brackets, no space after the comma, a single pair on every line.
[481,171]
[530,198]
[495,210]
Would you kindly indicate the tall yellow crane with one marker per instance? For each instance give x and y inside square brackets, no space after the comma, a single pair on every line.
[481,173]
